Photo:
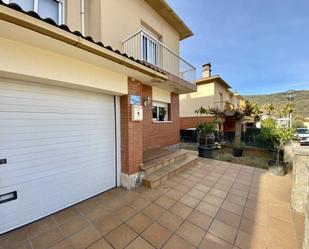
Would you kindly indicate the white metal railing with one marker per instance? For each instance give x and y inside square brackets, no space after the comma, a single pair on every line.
[143,46]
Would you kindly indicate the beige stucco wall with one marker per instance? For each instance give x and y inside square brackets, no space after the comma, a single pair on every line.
[161,95]
[225,93]
[113,21]
[192,101]
[19,59]
[72,14]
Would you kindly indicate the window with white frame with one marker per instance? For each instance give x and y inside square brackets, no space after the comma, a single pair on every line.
[159,111]
[45,8]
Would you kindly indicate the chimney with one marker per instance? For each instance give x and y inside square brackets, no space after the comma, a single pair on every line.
[206,72]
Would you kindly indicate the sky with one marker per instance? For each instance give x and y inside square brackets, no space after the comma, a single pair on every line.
[257,46]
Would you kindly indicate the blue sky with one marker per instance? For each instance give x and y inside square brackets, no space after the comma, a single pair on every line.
[257,46]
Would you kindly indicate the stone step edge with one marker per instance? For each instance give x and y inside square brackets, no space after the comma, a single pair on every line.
[172,156]
[157,180]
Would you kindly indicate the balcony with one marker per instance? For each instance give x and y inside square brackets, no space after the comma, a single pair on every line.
[224,106]
[143,46]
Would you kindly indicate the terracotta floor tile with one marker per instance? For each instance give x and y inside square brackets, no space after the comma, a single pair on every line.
[139,204]
[182,188]
[125,213]
[258,216]
[189,201]
[277,238]
[245,241]
[21,245]
[176,242]
[65,215]
[40,226]
[139,222]
[14,237]
[165,202]
[156,235]
[207,208]
[121,236]
[64,244]
[84,238]
[153,211]
[106,225]
[175,195]
[97,214]
[181,210]
[170,221]
[228,218]
[239,192]
[200,219]
[139,243]
[202,188]
[236,199]
[257,231]
[47,239]
[233,208]
[212,242]
[196,193]
[73,225]
[101,244]
[191,233]
[213,200]
[88,205]
[223,231]
[218,193]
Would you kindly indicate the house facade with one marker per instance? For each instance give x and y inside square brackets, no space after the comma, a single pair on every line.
[86,87]
[212,92]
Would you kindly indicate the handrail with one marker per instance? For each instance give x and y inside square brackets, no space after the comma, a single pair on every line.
[133,47]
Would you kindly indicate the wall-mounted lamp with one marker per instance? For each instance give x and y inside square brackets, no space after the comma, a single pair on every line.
[147,101]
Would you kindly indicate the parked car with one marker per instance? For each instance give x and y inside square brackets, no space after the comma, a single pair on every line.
[303,135]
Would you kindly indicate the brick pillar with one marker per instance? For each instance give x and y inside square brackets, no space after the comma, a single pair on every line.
[131,138]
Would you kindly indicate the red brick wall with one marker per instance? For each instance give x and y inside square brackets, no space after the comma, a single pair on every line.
[131,132]
[163,134]
[139,136]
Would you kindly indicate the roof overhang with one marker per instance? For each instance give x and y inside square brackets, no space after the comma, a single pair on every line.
[164,10]
[41,34]
[213,79]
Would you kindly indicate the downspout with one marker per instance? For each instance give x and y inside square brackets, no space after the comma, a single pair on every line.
[82,16]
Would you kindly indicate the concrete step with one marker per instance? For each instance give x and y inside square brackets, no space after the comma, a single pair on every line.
[163,161]
[155,178]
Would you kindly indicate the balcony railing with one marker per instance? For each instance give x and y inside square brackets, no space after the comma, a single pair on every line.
[145,47]
[224,105]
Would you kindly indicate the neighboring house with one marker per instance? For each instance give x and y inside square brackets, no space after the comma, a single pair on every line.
[80,108]
[212,92]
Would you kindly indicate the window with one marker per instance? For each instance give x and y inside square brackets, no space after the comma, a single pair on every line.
[159,111]
[45,8]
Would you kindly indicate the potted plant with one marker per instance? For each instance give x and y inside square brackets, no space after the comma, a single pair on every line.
[206,138]
[238,149]
[279,136]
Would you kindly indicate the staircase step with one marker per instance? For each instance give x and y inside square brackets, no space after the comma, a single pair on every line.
[162,162]
[155,178]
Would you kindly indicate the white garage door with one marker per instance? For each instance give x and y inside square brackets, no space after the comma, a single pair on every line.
[59,146]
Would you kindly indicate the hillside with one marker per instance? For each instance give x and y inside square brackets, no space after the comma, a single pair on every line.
[301,101]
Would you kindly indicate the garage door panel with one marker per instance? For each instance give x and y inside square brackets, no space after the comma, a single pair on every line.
[42,91]
[23,175]
[60,147]
[29,196]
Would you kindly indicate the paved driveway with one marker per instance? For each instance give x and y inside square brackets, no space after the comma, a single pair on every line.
[211,205]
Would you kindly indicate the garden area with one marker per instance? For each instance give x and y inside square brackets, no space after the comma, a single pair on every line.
[254,157]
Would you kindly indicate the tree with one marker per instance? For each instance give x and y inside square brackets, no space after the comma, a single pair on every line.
[270,109]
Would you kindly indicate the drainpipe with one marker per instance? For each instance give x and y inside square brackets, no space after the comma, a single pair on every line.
[82,16]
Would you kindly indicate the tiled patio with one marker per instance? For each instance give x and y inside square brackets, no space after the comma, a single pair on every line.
[212,205]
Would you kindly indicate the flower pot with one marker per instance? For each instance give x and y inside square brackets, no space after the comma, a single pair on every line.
[238,152]
[274,153]
[207,139]
[204,151]
[277,169]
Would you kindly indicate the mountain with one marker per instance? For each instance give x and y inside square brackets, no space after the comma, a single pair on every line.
[301,101]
